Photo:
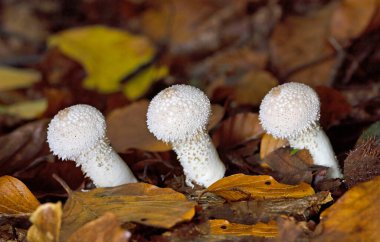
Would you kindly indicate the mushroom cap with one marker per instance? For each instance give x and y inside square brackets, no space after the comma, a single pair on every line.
[289,110]
[178,112]
[75,130]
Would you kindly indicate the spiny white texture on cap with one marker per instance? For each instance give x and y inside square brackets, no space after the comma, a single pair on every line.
[74,130]
[178,112]
[289,110]
[79,133]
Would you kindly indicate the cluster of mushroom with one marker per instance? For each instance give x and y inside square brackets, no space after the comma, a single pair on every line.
[179,115]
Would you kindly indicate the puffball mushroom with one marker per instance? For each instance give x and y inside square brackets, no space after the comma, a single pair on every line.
[79,133]
[291,111]
[178,115]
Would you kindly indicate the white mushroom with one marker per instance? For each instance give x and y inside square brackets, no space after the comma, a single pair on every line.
[291,111]
[79,133]
[179,115]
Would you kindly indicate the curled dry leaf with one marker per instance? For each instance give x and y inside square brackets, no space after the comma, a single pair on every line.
[15,197]
[270,144]
[104,229]
[224,227]
[240,187]
[353,18]
[237,129]
[354,217]
[46,222]
[135,202]
[126,128]
[21,146]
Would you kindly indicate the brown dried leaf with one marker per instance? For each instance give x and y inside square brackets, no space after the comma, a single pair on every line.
[21,146]
[240,186]
[334,106]
[300,50]
[253,86]
[270,144]
[224,227]
[135,202]
[290,169]
[363,163]
[104,229]
[353,18]
[46,223]
[292,231]
[354,217]
[126,128]
[237,129]
[15,197]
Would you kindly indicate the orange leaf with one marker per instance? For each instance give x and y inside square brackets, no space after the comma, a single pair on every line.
[46,223]
[270,144]
[354,217]
[135,202]
[15,197]
[353,18]
[240,186]
[237,129]
[104,229]
[224,227]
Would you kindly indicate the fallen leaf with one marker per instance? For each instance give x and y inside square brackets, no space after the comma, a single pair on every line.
[334,106]
[240,186]
[270,144]
[46,223]
[253,86]
[135,202]
[292,231]
[126,128]
[223,227]
[237,129]
[20,147]
[290,168]
[26,109]
[15,197]
[15,78]
[103,229]
[354,217]
[300,50]
[258,210]
[352,18]
[108,55]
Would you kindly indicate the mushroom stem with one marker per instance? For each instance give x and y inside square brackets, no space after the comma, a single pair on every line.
[199,159]
[316,141]
[104,166]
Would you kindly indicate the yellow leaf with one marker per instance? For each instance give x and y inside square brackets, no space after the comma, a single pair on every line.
[354,217]
[15,197]
[108,55]
[14,78]
[46,222]
[240,186]
[104,229]
[26,109]
[224,227]
[136,87]
[135,202]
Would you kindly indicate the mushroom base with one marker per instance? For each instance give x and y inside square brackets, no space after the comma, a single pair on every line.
[105,167]
[199,159]
[316,141]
